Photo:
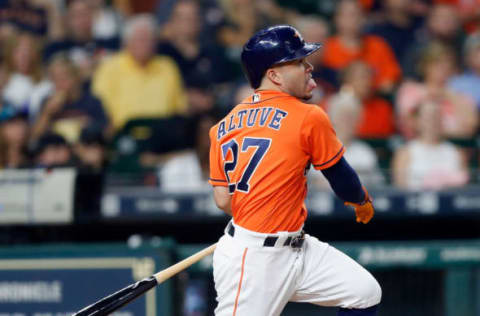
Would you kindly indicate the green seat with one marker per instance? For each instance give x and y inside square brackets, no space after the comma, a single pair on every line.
[147,135]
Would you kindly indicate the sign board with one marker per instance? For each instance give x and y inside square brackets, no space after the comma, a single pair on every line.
[37,196]
[141,203]
[64,282]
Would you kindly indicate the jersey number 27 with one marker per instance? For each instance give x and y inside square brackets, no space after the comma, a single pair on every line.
[262,145]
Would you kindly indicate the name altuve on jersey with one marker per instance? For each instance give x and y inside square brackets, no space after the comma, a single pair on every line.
[251,118]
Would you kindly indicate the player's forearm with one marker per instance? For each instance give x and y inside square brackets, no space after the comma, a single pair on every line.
[344,182]
[223,199]
[227,210]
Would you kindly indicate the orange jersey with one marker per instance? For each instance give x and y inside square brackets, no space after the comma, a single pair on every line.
[261,150]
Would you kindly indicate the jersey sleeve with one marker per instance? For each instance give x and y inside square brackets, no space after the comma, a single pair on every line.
[319,140]
[217,174]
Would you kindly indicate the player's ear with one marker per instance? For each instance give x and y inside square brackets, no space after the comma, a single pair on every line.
[274,76]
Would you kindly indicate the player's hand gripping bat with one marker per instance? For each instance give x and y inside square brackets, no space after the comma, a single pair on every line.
[121,298]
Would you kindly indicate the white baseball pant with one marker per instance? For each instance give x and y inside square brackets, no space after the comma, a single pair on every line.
[254,280]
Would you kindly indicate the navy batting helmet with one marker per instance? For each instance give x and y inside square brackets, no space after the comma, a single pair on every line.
[271,46]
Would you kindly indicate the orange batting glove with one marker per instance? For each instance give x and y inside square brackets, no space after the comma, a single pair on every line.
[363,210]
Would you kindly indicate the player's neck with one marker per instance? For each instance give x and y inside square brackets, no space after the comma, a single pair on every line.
[269,86]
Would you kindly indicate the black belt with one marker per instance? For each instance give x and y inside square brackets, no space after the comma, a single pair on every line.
[270,241]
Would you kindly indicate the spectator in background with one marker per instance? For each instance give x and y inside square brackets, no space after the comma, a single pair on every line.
[323,8]
[241,22]
[459,115]
[182,42]
[79,42]
[24,68]
[351,44]
[189,171]
[130,8]
[39,17]
[316,30]
[69,108]
[427,161]
[92,159]
[442,25]
[420,7]
[469,13]
[237,93]
[136,83]
[200,96]
[107,22]
[51,151]
[90,150]
[242,92]
[3,74]
[201,100]
[345,113]
[377,116]
[370,5]
[398,26]
[243,18]
[468,83]
[14,132]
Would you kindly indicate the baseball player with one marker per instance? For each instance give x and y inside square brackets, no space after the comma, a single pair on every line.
[259,155]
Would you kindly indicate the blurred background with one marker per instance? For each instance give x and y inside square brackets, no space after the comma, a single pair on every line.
[105,108]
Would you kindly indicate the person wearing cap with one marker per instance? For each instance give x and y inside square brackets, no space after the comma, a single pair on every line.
[90,149]
[51,151]
[259,157]
[14,133]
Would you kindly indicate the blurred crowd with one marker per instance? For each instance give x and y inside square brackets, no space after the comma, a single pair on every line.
[131,88]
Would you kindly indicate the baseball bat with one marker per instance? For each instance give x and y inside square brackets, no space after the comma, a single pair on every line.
[114,301]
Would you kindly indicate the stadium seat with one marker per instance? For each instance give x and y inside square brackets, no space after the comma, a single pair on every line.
[147,135]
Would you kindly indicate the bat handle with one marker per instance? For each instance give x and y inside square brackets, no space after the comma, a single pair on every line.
[120,298]
[182,265]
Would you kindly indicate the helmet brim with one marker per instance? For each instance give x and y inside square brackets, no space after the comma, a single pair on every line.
[310,48]
[306,50]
